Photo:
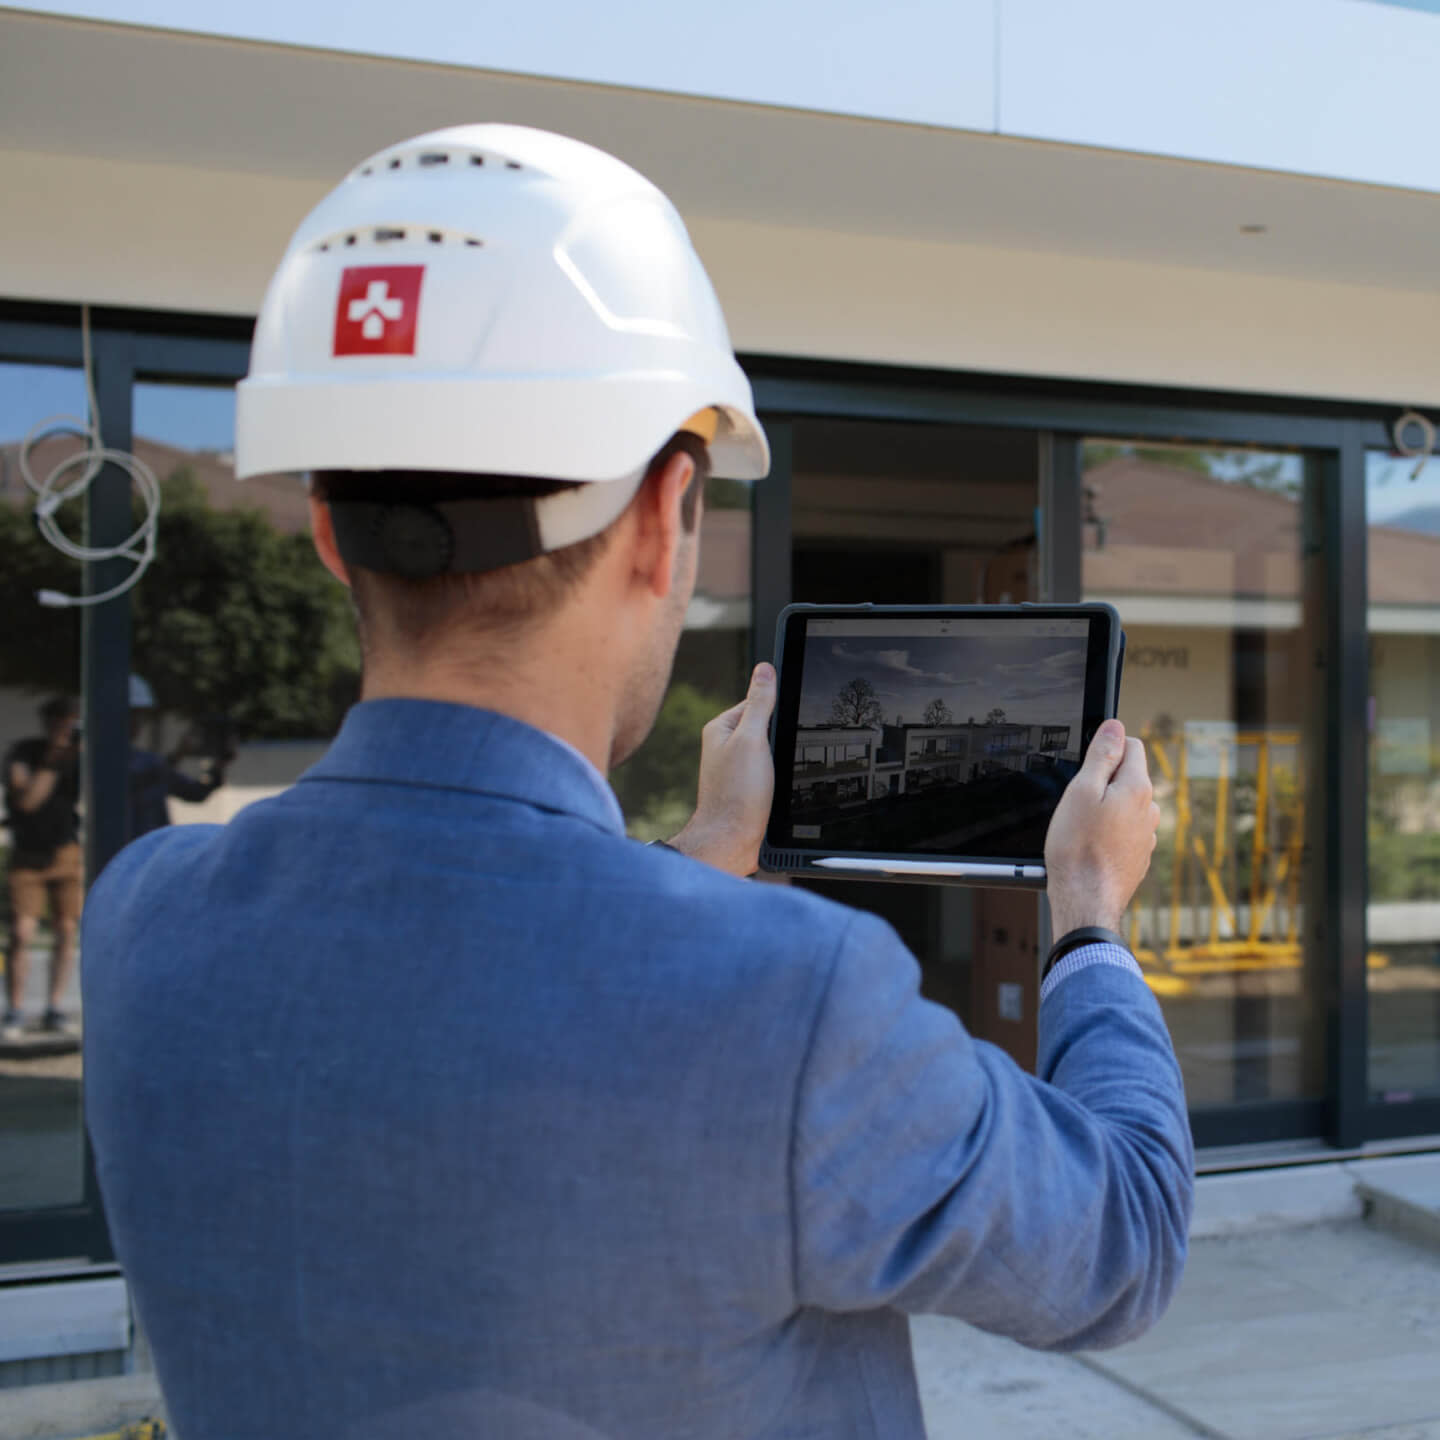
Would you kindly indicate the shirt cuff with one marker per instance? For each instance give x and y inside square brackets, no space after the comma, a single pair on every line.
[1082,958]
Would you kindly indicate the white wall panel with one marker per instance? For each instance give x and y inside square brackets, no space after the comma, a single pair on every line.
[929,62]
[174,237]
[1010,311]
[1339,88]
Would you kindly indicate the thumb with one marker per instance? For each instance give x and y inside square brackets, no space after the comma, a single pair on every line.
[1103,757]
[760,701]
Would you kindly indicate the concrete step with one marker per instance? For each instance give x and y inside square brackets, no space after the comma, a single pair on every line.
[1401,1195]
[1398,1193]
[81,1408]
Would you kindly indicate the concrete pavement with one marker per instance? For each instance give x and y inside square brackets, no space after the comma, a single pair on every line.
[1310,1309]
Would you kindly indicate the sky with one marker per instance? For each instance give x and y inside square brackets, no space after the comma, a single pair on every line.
[194,417]
[1034,679]
[1389,490]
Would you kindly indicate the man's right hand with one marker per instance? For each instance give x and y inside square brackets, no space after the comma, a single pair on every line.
[1102,836]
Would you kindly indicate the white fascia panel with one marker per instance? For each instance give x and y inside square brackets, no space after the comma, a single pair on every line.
[1343,89]
[923,62]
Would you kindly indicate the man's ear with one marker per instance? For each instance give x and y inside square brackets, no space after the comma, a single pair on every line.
[322,531]
[660,529]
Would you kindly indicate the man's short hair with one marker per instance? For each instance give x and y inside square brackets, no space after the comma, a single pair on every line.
[413,610]
[59,707]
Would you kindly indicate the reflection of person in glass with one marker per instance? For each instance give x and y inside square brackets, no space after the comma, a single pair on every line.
[42,789]
[154,778]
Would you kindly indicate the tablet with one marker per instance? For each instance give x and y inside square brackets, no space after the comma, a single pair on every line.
[932,743]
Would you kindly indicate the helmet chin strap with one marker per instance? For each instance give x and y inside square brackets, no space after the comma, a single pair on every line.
[458,537]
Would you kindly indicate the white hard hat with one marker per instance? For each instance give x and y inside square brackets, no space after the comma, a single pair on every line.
[142,697]
[494,300]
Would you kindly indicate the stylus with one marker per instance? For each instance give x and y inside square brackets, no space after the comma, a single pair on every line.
[970,869]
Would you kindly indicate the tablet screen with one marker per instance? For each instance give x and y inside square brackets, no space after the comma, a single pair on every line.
[932,735]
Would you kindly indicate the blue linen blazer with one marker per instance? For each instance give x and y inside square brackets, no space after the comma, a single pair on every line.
[425,1103]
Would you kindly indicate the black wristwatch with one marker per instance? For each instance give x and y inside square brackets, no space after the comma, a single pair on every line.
[1074,939]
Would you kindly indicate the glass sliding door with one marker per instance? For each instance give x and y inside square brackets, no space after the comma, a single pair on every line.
[897,513]
[42,750]
[1208,555]
[1403,974]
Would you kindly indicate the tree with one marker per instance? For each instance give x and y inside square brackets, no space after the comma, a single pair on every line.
[995,717]
[233,621]
[937,712]
[856,704]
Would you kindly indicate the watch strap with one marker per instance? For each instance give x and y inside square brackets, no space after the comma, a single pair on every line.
[1074,939]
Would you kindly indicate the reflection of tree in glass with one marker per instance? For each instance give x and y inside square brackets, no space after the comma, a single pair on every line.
[856,704]
[1404,831]
[234,621]
[41,648]
[722,494]
[1257,469]
[995,717]
[937,712]
[656,785]
[238,622]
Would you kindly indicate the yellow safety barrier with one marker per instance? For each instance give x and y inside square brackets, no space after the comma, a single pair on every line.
[1204,870]
[141,1430]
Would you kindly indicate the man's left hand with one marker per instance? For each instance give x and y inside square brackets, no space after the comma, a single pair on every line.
[737,782]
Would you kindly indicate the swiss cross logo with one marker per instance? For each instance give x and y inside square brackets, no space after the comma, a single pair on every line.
[377,310]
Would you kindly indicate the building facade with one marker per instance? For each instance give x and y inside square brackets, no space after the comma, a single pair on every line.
[1114,302]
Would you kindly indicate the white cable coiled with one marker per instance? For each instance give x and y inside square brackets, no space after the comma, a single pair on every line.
[50,493]
[1413,419]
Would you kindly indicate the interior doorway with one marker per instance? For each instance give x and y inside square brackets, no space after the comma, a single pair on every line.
[916,514]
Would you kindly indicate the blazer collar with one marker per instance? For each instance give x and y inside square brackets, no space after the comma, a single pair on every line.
[458,747]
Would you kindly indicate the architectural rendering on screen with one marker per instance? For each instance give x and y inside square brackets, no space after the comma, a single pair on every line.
[954,743]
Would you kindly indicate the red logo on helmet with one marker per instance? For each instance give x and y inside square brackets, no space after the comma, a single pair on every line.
[377,310]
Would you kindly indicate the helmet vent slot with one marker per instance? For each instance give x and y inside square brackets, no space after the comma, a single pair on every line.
[437,160]
[389,236]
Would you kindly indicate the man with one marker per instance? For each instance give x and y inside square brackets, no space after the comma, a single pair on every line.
[426,1103]
[42,791]
[154,777]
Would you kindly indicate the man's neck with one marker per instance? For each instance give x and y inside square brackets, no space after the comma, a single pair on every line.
[568,700]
